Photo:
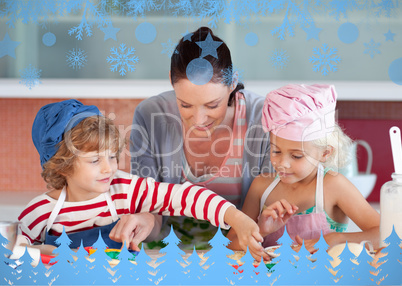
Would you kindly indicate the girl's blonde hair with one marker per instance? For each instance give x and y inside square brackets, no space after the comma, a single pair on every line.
[340,143]
[94,133]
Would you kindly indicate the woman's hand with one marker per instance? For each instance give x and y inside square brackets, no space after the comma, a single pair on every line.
[275,216]
[133,229]
[247,233]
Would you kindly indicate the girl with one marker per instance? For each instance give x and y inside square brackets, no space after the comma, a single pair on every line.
[79,150]
[306,193]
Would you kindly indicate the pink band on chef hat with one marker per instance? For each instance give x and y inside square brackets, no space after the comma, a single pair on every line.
[300,112]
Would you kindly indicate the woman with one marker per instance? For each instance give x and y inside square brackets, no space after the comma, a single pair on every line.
[207,130]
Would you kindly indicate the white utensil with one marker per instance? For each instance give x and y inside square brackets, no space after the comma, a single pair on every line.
[396,145]
[270,251]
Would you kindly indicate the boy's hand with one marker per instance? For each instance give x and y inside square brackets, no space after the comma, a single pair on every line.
[247,232]
[132,229]
[275,216]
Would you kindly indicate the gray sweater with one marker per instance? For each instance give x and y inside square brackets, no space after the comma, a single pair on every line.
[156,140]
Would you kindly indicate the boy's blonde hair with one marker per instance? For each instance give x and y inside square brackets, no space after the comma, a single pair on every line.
[340,143]
[94,133]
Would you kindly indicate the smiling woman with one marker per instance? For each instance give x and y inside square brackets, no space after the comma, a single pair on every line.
[207,133]
[203,109]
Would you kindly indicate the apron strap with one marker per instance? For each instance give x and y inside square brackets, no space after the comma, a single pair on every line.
[319,190]
[56,208]
[111,206]
[62,198]
[267,192]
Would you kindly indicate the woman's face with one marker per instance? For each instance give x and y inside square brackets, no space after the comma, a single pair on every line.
[202,107]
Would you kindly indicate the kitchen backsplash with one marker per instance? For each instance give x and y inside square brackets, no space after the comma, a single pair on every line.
[20,168]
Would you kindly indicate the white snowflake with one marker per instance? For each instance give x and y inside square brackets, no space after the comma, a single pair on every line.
[326,59]
[168,48]
[279,58]
[372,48]
[76,58]
[122,60]
[30,76]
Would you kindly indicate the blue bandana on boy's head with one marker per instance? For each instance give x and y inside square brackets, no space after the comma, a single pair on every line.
[53,120]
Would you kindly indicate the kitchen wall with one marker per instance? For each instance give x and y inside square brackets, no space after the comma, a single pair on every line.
[19,162]
[371,121]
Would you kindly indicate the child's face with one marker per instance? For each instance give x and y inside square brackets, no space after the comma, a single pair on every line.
[293,160]
[92,175]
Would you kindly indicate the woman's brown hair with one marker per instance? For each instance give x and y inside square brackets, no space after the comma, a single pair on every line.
[186,51]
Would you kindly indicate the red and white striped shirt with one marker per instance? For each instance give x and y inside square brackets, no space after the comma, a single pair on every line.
[130,194]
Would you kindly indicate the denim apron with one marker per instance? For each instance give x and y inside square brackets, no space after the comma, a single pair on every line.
[307,226]
[88,237]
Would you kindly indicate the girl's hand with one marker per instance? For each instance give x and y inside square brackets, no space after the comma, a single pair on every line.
[247,233]
[275,216]
[133,229]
